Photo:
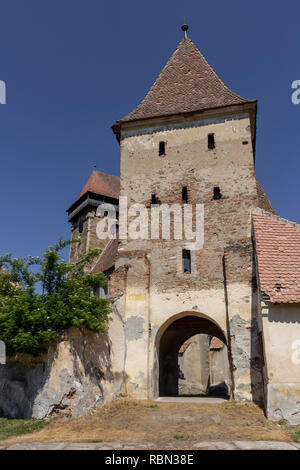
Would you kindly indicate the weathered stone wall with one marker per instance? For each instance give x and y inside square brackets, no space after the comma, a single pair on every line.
[154,285]
[219,370]
[281,329]
[195,367]
[78,373]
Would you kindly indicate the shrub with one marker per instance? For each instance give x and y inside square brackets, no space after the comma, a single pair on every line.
[42,297]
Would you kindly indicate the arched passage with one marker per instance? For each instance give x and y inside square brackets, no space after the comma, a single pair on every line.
[172,338]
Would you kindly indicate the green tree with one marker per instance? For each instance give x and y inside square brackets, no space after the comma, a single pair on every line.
[42,297]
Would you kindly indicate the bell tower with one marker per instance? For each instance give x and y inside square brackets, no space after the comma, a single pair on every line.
[100,188]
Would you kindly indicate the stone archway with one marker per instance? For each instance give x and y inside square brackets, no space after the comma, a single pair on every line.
[172,335]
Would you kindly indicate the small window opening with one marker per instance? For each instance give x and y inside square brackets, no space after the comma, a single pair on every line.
[162,148]
[217,194]
[105,213]
[187,266]
[211,141]
[245,142]
[154,200]
[185,195]
[80,224]
[278,287]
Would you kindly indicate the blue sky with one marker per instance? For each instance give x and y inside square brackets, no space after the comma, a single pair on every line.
[73,67]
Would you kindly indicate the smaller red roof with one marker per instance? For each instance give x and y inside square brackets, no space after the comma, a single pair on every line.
[216,343]
[102,183]
[184,347]
[277,243]
[107,258]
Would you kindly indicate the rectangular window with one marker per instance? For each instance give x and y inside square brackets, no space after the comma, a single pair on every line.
[102,292]
[187,265]
[217,194]
[154,200]
[162,148]
[184,195]
[211,141]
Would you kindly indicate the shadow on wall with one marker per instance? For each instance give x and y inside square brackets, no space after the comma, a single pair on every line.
[74,377]
[256,350]
[280,313]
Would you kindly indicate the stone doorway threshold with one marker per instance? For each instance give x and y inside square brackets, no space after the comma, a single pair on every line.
[206,400]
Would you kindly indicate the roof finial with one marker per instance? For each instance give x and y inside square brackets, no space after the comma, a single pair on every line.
[184,28]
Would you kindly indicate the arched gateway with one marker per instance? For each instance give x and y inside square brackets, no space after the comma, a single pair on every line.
[172,335]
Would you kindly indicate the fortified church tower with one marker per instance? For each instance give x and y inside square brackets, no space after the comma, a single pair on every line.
[190,141]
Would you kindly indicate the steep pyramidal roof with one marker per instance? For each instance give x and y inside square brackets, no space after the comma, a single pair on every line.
[186,83]
[107,258]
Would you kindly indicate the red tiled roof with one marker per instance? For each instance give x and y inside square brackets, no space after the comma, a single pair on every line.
[216,343]
[107,258]
[277,243]
[102,183]
[186,83]
[184,347]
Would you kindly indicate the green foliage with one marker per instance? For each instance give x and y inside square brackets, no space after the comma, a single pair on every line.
[16,427]
[29,318]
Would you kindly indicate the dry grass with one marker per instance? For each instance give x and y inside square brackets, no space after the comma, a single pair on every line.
[293,431]
[127,420]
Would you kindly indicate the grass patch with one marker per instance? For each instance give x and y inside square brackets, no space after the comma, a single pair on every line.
[178,436]
[16,427]
[294,432]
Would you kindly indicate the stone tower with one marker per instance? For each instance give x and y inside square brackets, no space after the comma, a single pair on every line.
[190,141]
[100,188]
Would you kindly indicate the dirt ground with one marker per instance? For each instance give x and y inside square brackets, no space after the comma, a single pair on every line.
[127,420]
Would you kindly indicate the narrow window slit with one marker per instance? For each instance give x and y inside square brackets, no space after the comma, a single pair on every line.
[154,200]
[185,196]
[162,148]
[217,194]
[211,141]
[187,266]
